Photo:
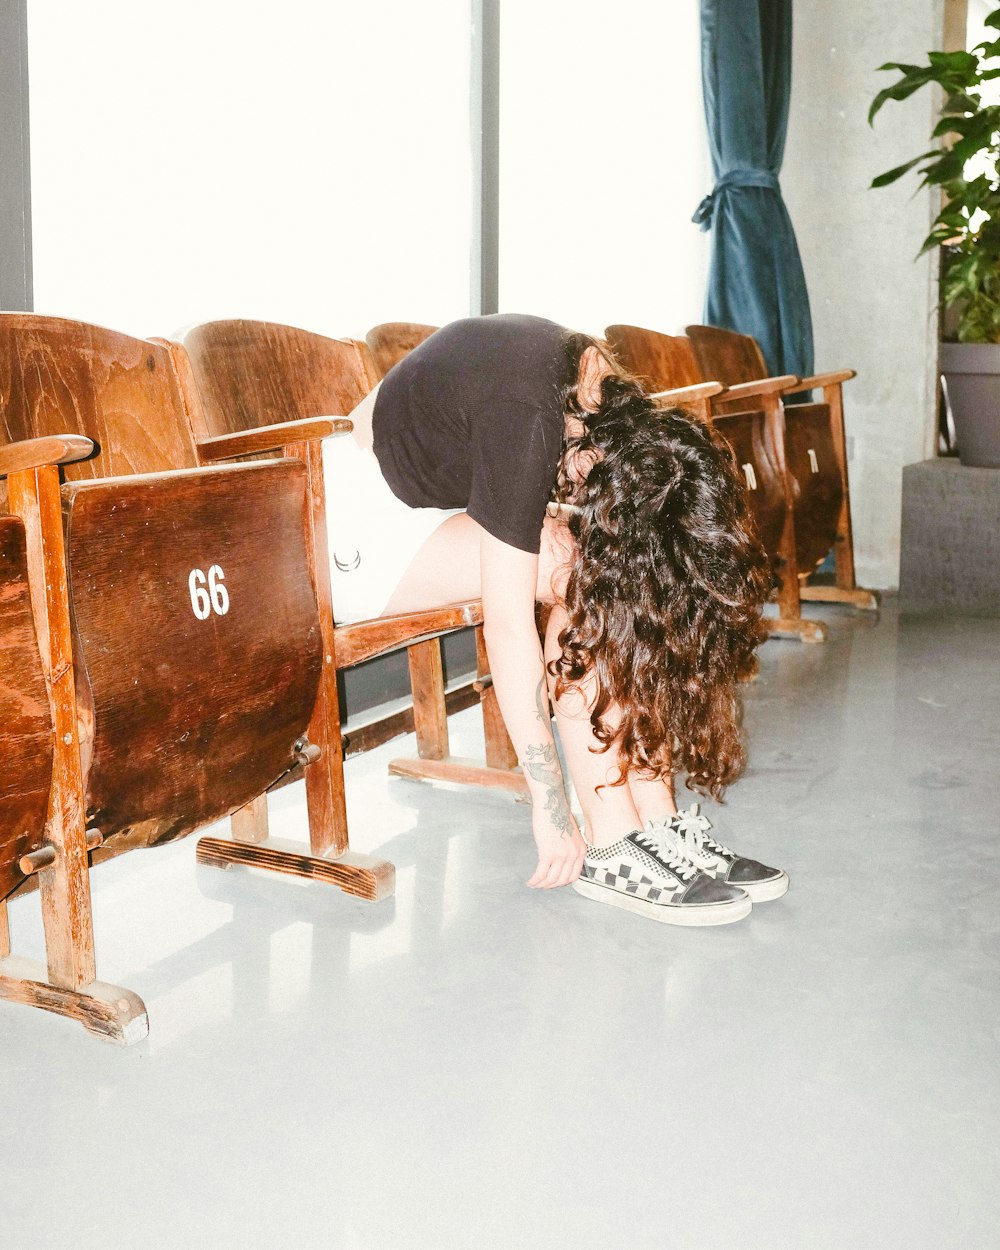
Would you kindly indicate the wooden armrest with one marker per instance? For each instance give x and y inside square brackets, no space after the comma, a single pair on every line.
[691,394]
[764,386]
[34,453]
[366,639]
[825,379]
[271,437]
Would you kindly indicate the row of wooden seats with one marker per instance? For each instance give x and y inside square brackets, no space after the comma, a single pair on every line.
[168,650]
[792,454]
[135,707]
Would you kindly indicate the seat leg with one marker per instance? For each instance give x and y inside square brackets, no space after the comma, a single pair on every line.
[430,715]
[843,553]
[326,798]
[500,751]
[790,623]
[434,763]
[249,824]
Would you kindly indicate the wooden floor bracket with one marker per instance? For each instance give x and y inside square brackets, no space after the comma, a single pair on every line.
[796,627]
[858,597]
[107,1011]
[364,876]
[462,772]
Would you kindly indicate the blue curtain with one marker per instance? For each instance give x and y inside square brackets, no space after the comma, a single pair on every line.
[755,282]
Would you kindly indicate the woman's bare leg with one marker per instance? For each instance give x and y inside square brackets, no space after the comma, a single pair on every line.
[654,800]
[446,568]
[609,811]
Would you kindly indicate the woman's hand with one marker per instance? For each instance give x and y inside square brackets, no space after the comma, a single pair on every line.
[560,848]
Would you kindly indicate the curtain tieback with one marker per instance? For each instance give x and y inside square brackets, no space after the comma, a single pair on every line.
[735,178]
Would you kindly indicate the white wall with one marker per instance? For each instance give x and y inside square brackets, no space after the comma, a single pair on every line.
[603,160]
[298,162]
[874,305]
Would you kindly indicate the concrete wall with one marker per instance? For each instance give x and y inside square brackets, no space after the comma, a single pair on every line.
[874,306]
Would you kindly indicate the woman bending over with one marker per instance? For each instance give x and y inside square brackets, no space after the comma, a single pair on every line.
[654,579]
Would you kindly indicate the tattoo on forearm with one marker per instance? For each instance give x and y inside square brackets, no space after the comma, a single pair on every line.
[542,765]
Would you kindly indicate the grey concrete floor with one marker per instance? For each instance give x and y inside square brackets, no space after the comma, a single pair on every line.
[479,1065]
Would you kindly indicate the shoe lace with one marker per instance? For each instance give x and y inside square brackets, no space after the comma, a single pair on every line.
[692,829]
[669,851]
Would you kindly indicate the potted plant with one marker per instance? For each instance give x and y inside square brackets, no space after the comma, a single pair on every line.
[967,230]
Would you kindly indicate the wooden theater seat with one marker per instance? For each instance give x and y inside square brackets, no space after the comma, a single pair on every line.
[749,417]
[240,373]
[815,460]
[392,340]
[179,639]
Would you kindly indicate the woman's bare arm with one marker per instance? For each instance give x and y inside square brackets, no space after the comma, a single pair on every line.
[509,579]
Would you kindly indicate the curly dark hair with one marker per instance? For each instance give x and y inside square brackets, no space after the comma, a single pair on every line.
[665,592]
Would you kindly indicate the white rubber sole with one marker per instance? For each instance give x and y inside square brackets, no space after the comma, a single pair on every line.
[667,913]
[765,891]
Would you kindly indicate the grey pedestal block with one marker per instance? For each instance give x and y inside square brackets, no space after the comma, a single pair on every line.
[950,546]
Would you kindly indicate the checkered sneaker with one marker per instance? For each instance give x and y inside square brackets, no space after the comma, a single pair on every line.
[687,834]
[641,874]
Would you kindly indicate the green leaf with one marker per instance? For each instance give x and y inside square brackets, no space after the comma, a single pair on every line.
[957,62]
[960,102]
[993,20]
[977,194]
[968,146]
[953,126]
[901,91]
[948,168]
[890,175]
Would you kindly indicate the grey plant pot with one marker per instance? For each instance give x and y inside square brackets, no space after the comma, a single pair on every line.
[972,382]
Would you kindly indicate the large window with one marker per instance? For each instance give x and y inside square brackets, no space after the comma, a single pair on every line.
[603,159]
[312,163]
[298,162]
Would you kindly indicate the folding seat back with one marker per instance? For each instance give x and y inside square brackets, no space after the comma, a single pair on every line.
[811,454]
[392,340]
[663,361]
[249,374]
[659,361]
[735,357]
